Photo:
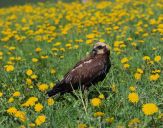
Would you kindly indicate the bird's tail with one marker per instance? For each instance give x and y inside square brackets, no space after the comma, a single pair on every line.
[56,89]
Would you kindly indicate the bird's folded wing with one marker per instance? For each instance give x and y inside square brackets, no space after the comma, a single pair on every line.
[85,72]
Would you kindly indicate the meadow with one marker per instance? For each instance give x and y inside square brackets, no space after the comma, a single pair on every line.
[40,42]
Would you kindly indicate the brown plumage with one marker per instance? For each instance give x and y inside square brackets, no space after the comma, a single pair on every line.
[86,72]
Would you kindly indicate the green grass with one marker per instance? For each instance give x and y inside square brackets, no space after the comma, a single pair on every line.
[69,111]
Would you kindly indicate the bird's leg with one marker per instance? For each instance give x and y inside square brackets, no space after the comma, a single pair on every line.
[85,90]
[83,87]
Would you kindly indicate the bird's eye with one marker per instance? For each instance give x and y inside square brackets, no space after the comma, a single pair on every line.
[99,47]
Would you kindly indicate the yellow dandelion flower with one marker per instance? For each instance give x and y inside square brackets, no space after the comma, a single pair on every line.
[57,44]
[150,62]
[30,102]
[18,58]
[139,70]
[102,40]
[116,27]
[68,45]
[122,46]
[133,97]
[129,39]
[149,109]
[62,49]
[98,114]
[96,102]
[153,21]
[157,58]
[50,101]
[44,57]
[54,49]
[12,48]
[22,126]
[101,96]
[11,110]
[28,81]
[61,57]
[146,58]
[118,43]
[126,66]
[34,60]
[160,116]
[1,53]
[76,46]
[114,88]
[9,68]
[16,94]
[32,125]
[133,122]
[124,60]
[43,87]
[154,48]
[134,44]
[120,126]
[38,107]
[132,88]
[1,94]
[141,41]
[154,77]
[21,115]
[137,76]
[29,72]
[9,63]
[52,71]
[38,49]
[82,126]
[51,85]
[12,58]
[109,120]
[33,76]
[156,71]
[10,100]
[89,41]
[40,120]
[117,50]
[90,36]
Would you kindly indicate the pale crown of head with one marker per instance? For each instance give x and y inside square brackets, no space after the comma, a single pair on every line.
[101,44]
[100,48]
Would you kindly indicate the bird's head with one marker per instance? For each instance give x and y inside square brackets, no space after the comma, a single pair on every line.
[100,48]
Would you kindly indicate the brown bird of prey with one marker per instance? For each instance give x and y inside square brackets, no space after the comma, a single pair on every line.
[86,72]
